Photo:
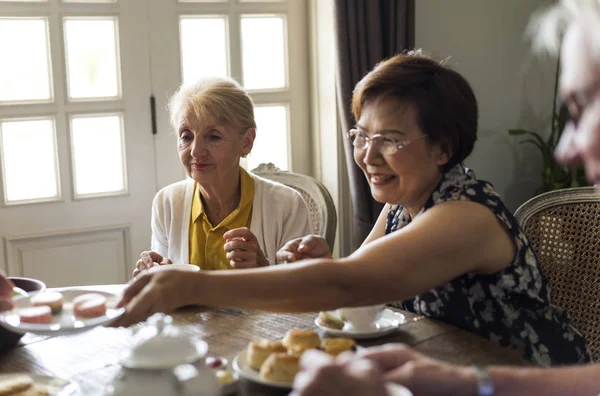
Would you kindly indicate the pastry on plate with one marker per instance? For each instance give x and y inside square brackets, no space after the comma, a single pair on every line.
[89,305]
[21,385]
[327,319]
[54,300]
[259,350]
[298,341]
[36,315]
[280,367]
[335,346]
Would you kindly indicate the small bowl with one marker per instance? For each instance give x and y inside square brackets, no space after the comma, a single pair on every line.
[9,339]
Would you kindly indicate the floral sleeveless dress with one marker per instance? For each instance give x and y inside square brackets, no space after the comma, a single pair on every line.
[511,307]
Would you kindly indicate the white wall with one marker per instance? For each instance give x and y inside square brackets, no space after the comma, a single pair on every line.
[484,39]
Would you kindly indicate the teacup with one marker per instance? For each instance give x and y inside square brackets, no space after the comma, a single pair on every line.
[184,267]
[362,318]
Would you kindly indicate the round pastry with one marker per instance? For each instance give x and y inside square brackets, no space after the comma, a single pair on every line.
[91,307]
[328,320]
[335,346]
[54,300]
[259,350]
[280,367]
[301,340]
[38,315]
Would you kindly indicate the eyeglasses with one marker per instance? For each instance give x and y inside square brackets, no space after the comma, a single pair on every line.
[385,145]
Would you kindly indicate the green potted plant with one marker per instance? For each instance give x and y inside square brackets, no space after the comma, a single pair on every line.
[554,175]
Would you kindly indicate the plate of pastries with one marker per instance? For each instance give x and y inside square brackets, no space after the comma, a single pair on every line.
[61,312]
[35,385]
[276,362]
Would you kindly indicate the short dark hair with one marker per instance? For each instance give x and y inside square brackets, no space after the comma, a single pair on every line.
[445,103]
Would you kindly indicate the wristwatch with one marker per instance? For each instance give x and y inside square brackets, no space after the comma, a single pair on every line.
[485,385]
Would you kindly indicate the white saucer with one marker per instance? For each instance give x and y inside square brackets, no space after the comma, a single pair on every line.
[56,386]
[241,367]
[66,322]
[397,390]
[388,323]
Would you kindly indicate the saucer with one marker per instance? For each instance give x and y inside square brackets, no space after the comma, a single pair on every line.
[388,323]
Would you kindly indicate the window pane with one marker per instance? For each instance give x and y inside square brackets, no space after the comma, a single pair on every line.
[98,155]
[24,68]
[203,47]
[271,143]
[29,161]
[92,57]
[263,52]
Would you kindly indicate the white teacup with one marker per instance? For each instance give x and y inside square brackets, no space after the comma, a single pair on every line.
[184,267]
[362,318]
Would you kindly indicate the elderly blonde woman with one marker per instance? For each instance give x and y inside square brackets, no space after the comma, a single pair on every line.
[222,217]
[445,245]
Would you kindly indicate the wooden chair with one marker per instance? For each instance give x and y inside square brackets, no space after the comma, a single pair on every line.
[318,200]
[564,229]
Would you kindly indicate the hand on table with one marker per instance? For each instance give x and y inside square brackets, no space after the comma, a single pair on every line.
[148,260]
[243,250]
[308,247]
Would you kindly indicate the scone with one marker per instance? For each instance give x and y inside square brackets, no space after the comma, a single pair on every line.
[15,384]
[280,367]
[298,341]
[335,346]
[259,350]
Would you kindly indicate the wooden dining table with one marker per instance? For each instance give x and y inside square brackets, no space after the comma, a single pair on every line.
[91,359]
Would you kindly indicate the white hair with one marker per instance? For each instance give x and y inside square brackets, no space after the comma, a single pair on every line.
[547,27]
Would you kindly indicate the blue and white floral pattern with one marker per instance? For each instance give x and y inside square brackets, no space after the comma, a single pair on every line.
[511,307]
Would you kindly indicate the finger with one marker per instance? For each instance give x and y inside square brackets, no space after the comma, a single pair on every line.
[239,233]
[140,265]
[150,257]
[166,262]
[133,289]
[314,246]
[241,255]
[286,257]
[244,264]
[390,356]
[135,272]
[314,359]
[137,310]
[6,287]
[239,244]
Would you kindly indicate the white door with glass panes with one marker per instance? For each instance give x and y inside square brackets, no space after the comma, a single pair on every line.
[76,149]
[261,44]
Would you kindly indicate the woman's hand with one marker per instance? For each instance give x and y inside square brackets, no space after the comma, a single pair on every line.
[308,247]
[148,260]
[6,290]
[242,249]
[419,373]
[160,291]
[346,375]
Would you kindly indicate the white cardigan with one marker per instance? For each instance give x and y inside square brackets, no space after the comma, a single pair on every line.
[279,214]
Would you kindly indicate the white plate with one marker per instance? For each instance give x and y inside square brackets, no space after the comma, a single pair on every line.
[56,386]
[241,367]
[66,322]
[388,323]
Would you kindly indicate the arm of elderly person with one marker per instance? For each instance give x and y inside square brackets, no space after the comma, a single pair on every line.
[424,375]
[434,249]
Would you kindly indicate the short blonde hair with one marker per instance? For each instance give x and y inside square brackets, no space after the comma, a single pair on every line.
[547,27]
[215,99]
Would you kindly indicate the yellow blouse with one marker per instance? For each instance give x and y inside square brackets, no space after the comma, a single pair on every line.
[206,240]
